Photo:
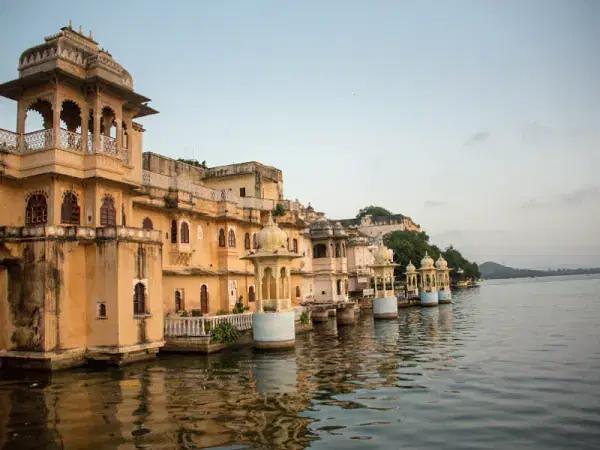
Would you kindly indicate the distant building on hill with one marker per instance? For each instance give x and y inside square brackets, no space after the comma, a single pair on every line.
[376,226]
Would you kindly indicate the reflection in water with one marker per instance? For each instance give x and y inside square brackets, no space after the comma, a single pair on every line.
[415,382]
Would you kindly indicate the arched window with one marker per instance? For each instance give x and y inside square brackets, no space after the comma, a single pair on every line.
[139,299]
[268,284]
[343,250]
[204,299]
[320,251]
[36,210]
[295,245]
[108,212]
[339,287]
[254,241]
[123,217]
[178,301]
[338,252]
[284,284]
[173,231]
[69,211]
[221,237]
[251,294]
[102,310]
[185,233]
[346,287]
[297,291]
[231,238]
[147,224]
[247,241]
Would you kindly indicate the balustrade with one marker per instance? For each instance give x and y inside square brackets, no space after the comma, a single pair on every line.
[70,140]
[108,145]
[9,141]
[201,326]
[39,140]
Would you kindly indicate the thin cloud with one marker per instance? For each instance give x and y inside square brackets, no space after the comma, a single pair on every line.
[480,136]
[580,196]
[532,204]
[435,204]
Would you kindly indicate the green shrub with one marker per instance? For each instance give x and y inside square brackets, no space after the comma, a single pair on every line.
[171,201]
[225,333]
[239,307]
[183,314]
[196,313]
[304,318]
[222,313]
[279,210]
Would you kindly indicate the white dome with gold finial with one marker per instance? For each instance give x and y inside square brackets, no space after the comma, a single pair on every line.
[271,237]
[411,267]
[427,262]
[441,263]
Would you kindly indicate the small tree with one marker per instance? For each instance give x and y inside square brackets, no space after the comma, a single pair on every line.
[279,210]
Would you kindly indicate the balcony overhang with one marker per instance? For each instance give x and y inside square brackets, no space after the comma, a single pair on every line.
[15,88]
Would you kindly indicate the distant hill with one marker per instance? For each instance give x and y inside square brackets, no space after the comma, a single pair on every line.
[492,270]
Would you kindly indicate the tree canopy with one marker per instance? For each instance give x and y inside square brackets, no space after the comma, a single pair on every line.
[373,211]
[410,246]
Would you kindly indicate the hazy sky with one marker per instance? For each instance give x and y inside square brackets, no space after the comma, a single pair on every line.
[479,119]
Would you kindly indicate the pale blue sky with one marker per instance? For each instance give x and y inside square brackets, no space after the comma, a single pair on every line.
[480,119]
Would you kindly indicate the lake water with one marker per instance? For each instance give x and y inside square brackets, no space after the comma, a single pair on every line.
[512,364]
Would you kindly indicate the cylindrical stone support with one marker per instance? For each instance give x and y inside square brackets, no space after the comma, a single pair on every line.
[444,297]
[429,298]
[320,315]
[346,316]
[385,308]
[274,330]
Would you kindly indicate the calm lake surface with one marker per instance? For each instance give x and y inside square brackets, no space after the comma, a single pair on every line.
[512,364]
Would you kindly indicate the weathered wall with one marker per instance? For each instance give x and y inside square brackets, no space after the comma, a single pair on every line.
[234,182]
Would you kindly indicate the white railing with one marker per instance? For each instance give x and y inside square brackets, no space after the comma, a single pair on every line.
[201,326]
[39,140]
[70,140]
[108,145]
[9,141]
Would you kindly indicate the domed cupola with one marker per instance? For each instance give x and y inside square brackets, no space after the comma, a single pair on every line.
[382,255]
[321,228]
[338,230]
[410,268]
[441,263]
[271,237]
[427,262]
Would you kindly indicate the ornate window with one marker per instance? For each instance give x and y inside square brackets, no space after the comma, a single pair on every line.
[247,241]
[221,237]
[108,212]
[147,224]
[139,299]
[251,294]
[185,233]
[231,238]
[69,210]
[36,210]
[295,245]
[254,241]
[338,251]
[173,231]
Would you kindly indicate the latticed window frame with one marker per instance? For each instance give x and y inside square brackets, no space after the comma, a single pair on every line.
[36,210]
